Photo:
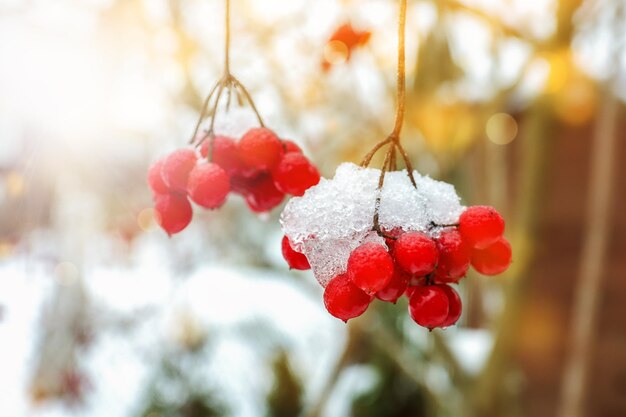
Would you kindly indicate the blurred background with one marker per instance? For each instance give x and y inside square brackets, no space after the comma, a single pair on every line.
[519,104]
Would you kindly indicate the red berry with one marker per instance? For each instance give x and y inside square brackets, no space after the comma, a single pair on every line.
[395,287]
[172,212]
[416,253]
[296,260]
[295,174]
[225,155]
[155,179]
[262,194]
[345,300]
[454,257]
[480,226]
[176,168]
[291,146]
[455,306]
[260,148]
[208,185]
[429,306]
[370,267]
[494,259]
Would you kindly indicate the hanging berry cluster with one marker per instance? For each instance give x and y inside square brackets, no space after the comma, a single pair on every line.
[370,233]
[259,166]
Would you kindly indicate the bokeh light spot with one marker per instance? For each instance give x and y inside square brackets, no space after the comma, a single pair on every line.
[14,184]
[501,128]
[6,249]
[336,52]
[66,273]
[145,219]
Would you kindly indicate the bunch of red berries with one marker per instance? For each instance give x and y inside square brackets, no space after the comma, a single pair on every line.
[260,167]
[419,266]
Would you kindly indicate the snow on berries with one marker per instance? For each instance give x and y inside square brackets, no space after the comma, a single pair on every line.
[257,167]
[420,241]
[294,259]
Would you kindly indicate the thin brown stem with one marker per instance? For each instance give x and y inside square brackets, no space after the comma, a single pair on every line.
[248,97]
[401,74]
[379,191]
[205,107]
[368,158]
[407,163]
[227,38]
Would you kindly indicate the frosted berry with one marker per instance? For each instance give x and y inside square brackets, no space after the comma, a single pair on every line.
[494,259]
[176,169]
[395,287]
[295,174]
[208,185]
[172,212]
[480,226]
[416,253]
[429,306]
[262,195]
[260,148]
[370,267]
[225,154]
[454,257]
[295,260]
[155,179]
[291,146]
[455,306]
[345,300]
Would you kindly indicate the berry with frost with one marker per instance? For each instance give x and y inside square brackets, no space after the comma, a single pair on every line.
[155,179]
[260,148]
[294,174]
[176,168]
[208,185]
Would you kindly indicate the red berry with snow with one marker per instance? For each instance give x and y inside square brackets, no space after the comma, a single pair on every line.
[454,257]
[370,267]
[176,169]
[260,148]
[295,174]
[172,212]
[345,300]
[416,253]
[208,185]
[455,306]
[429,306]
[155,179]
[481,226]
[262,195]
[295,260]
[493,259]
[395,287]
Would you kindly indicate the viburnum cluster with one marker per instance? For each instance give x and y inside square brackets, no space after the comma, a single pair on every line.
[421,242]
[260,167]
